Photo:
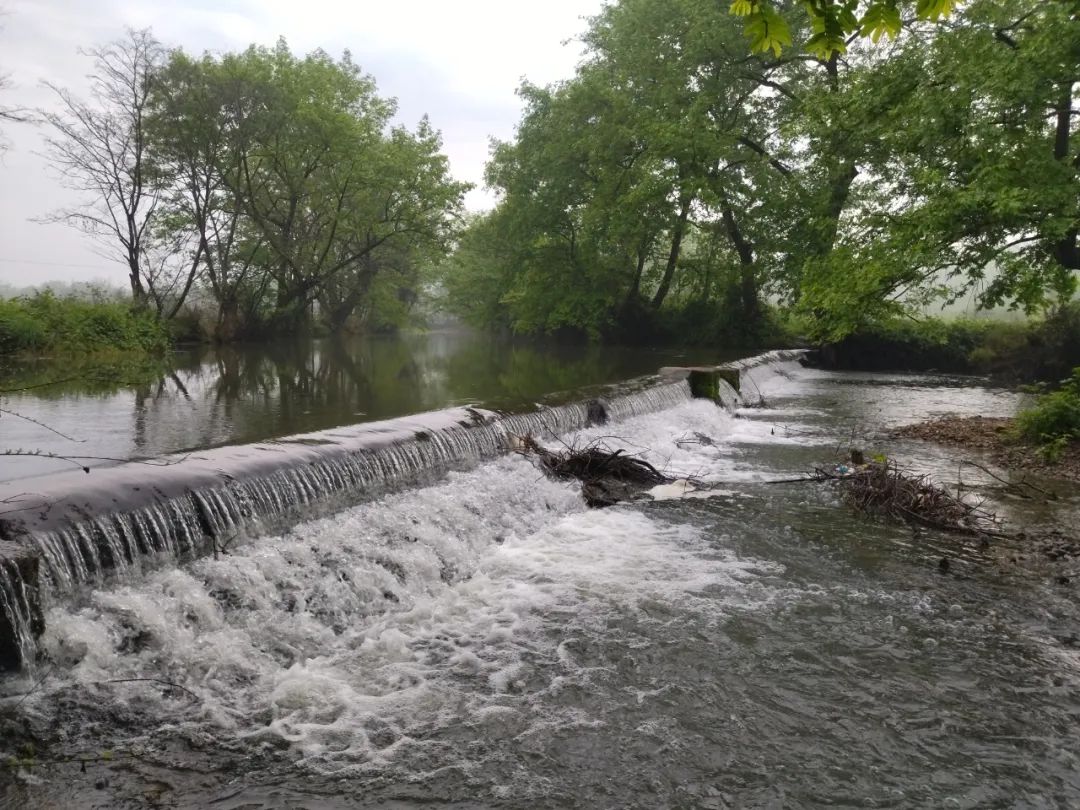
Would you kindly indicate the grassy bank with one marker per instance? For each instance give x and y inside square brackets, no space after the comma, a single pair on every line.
[46,324]
[1053,423]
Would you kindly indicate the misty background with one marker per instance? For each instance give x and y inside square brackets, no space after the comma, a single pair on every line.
[458,63]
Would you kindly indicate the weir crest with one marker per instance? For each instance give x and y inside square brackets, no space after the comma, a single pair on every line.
[64,531]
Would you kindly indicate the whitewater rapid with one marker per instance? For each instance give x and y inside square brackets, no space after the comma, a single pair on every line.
[488,641]
[348,638]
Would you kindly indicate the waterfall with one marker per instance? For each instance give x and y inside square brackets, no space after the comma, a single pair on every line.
[121,540]
[649,400]
[17,613]
[205,519]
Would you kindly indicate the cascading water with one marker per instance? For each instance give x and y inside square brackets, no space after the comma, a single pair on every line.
[488,641]
[206,519]
[17,610]
[339,637]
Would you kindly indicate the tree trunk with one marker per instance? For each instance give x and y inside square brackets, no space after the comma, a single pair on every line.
[228,321]
[748,288]
[338,315]
[635,288]
[138,291]
[293,311]
[1066,250]
[192,273]
[841,174]
[673,255]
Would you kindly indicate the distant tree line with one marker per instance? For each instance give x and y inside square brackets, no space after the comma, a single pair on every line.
[269,189]
[687,179]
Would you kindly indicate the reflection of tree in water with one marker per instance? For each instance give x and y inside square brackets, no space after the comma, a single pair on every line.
[144,393]
[306,385]
[238,393]
[508,374]
[44,378]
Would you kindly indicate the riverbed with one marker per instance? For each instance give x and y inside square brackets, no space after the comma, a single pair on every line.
[487,641]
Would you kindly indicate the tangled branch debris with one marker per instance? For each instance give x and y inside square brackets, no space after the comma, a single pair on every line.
[882,489]
[607,476]
[879,488]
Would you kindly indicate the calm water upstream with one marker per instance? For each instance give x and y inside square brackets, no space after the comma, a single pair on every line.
[488,642]
[249,393]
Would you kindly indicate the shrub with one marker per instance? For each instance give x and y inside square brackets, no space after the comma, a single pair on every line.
[44,322]
[19,330]
[1016,351]
[1054,421]
[904,344]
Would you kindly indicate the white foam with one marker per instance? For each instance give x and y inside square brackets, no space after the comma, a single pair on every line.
[351,638]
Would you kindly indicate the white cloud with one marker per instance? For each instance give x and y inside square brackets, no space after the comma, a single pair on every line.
[458,62]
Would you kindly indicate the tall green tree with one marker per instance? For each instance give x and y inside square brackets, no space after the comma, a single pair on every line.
[975,189]
[654,153]
[303,203]
[198,111]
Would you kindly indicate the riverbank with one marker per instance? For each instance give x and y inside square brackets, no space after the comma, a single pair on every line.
[1005,350]
[69,326]
[995,438]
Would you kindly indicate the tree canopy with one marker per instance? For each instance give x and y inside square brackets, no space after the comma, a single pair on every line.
[683,181]
[273,185]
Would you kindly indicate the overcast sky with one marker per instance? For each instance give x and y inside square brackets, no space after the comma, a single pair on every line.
[459,62]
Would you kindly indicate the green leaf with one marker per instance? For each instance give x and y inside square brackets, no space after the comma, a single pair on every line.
[742,8]
[934,9]
[824,44]
[880,19]
[767,31]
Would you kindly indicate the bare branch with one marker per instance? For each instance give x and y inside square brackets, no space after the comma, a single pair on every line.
[99,148]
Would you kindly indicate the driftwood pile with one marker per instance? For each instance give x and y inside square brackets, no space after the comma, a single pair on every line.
[878,488]
[882,489]
[607,476]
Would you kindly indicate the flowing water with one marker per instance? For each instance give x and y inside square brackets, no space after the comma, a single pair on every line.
[487,641]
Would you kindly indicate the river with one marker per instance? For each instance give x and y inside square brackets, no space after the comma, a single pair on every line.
[487,641]
[207,397]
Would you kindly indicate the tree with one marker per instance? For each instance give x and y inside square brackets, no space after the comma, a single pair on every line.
[300,201]
[654,159]
[978,187]
[100,148]
[412,214]
[196,131]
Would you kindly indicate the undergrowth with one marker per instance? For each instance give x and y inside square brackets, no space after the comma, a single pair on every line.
[1053,422]
[44,322]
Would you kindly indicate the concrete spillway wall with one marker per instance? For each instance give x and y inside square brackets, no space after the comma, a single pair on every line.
[64,530]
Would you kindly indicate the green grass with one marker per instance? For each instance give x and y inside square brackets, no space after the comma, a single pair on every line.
[44,323]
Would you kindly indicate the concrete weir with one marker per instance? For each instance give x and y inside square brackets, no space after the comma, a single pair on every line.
[60,532]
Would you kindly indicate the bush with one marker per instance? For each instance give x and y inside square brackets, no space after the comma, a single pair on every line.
[907,345]
[19,330]
[1013,351]
[44,322]
[1054,421]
